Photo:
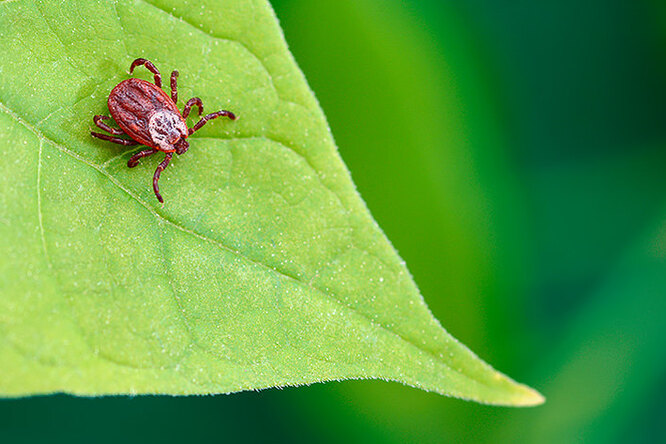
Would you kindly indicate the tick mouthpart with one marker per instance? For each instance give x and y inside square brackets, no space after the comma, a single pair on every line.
[181,146]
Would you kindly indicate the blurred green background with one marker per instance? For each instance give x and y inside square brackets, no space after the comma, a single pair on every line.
[515,154]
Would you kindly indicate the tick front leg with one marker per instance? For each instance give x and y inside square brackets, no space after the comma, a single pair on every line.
[174,86]
[212,116]
[156,177]
[150,67]
[105,127]
[118,140]
[194,101]
[134,160]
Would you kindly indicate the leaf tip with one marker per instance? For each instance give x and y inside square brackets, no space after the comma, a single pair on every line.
[527,397]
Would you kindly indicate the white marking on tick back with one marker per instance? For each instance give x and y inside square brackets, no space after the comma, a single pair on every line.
[166,128]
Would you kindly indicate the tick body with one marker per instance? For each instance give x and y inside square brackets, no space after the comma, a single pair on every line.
[144,112]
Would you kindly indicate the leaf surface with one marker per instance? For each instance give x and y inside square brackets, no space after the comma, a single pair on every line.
[264,268]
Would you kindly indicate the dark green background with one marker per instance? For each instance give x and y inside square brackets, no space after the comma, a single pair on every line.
[515,154]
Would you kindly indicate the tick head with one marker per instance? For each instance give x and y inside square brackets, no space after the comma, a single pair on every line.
[181,146]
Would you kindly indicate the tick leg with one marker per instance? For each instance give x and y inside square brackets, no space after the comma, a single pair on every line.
[174,86]
[194,101]
[105,127]
[149,65]
[134,160]
[212,116]
[156,177]
[118,140]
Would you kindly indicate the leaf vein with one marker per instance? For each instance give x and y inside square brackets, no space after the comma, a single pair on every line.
[229,40]
[64,47]
[39,203]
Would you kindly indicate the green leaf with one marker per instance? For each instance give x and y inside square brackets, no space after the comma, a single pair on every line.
[264,268]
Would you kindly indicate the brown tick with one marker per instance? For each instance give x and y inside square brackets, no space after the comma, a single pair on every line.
[150,117]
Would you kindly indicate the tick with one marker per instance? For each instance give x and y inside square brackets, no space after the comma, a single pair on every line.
[144,112]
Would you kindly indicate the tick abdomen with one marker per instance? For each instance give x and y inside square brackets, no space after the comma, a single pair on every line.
[134,102]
